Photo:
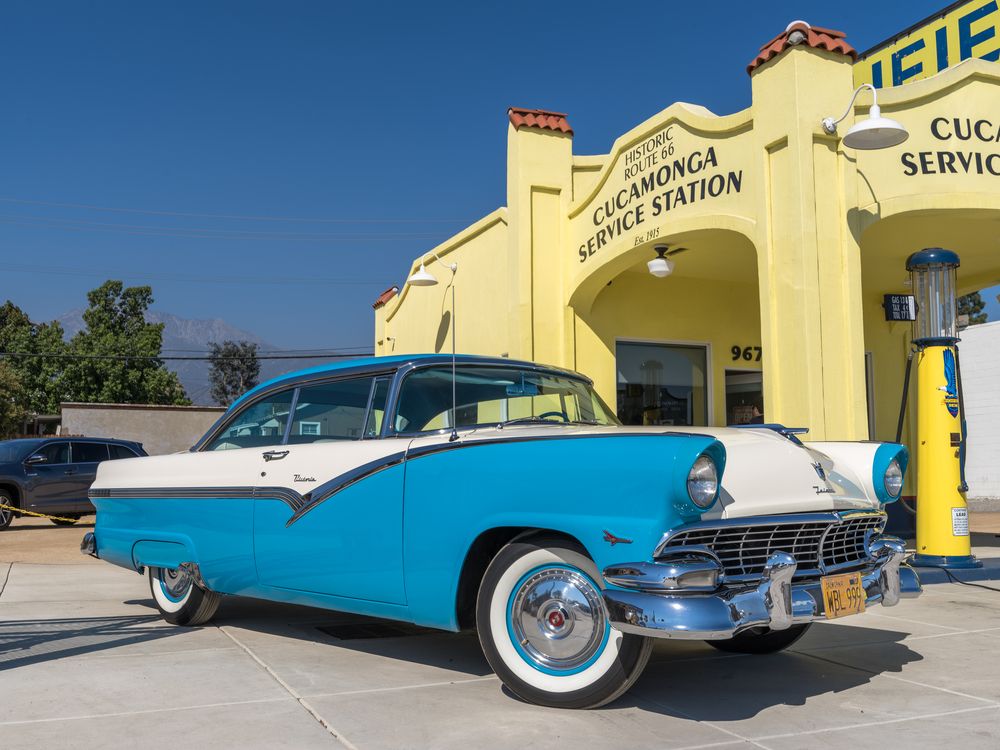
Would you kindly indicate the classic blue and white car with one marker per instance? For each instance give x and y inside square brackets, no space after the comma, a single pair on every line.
[505,496]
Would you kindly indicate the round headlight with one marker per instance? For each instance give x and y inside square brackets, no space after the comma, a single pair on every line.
[893,479]
[703,482]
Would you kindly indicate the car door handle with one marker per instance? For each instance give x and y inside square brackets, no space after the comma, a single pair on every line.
[69,471]
[274,455]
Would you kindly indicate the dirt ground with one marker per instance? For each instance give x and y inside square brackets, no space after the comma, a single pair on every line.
[37,540]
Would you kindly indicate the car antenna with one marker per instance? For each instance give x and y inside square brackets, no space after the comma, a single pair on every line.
[423,277]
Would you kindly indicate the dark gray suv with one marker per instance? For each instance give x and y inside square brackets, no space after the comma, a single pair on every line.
[52,475]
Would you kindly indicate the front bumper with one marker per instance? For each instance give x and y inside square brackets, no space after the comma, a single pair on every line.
[775,602]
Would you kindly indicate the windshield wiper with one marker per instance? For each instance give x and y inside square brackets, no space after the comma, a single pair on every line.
[528,420]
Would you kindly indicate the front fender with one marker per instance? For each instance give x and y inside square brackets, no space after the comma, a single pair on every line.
[627,485]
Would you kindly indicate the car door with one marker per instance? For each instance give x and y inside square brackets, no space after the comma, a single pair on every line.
[84,458]
[344,538]
[50,482]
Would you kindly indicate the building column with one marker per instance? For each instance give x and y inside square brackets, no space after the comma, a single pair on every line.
[809,265]
[539,192]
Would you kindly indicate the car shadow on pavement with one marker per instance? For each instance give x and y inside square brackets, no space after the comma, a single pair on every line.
[24,642]
[703,684]
[387,639]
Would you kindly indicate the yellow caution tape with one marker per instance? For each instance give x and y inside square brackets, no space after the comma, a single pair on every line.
[38,515]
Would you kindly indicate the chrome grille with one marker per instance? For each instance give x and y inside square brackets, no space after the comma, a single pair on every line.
[818,542]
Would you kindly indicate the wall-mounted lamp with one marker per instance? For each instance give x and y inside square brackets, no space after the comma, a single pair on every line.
[661,266]
[874,133]
[423,277]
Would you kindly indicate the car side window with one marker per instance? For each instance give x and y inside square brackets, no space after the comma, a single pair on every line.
[331,411]
[55,453]
[120,451]
[257,424]
[376,414]
[89,453]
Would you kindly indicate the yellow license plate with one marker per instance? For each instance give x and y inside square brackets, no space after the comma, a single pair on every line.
[843,595]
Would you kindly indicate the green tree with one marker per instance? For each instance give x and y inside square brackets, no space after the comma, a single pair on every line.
[12,400]
[117,354]
[235,369]
[41,387]
[973,306]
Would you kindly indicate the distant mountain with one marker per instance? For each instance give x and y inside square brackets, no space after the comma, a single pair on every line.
[187,337]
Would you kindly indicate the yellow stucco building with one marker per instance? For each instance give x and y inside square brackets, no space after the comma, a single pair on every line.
[783,243]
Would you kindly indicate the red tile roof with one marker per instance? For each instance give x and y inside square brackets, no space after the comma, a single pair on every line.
[799,32]
[385,296]
[539,118]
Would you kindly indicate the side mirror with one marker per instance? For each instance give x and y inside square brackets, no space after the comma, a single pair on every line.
[37,458]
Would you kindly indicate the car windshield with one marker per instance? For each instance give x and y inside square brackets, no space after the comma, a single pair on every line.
[496,395]
[15,450]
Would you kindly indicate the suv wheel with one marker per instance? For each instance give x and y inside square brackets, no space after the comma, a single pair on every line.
[6,512]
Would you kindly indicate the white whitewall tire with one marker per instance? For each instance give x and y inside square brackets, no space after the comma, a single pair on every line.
[544,628]
[180,600]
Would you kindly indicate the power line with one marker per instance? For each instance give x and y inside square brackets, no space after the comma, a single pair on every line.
[238,217]
[183,278]
[204,234]
[126,357]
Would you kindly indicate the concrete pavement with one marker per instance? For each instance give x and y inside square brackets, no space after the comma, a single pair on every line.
[86,662]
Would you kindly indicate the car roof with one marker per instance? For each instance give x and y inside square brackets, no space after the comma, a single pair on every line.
[365,365]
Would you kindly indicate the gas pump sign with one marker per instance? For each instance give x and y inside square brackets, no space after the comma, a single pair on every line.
[899,307]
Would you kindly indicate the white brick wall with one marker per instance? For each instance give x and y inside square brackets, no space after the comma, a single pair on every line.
[980,360]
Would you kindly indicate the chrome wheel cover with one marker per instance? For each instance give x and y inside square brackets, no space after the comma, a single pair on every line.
[557,619]
[175,582]
[6,515]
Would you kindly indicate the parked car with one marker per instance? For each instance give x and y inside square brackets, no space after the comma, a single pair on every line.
[52,475]
[505,496]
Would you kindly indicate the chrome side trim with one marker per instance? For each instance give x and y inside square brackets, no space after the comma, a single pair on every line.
[290,497]
[328,489]
[341,482]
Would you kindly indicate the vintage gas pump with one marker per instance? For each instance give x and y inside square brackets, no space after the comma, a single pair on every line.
[942,512]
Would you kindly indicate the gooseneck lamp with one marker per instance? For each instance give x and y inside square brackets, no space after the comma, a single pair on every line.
[942,511]
[872,133]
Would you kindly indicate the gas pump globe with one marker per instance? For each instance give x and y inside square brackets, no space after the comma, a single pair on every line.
[942,512]
[932,278]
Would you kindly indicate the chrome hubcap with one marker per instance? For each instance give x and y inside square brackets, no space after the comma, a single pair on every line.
[175,582]
[557,618]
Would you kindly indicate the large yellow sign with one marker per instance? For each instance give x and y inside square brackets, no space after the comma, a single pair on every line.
[964,29]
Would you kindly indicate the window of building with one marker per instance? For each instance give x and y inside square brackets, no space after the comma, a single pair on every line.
[662,384]
[744,397]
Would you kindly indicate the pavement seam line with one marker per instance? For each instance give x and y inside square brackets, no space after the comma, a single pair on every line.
[6,577]
[292,692]
[139,712]
[866,725]
[403,687]
[990,701]
[916,622]
[709,724]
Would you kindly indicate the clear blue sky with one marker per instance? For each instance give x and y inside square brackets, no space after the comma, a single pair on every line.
[386,120]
